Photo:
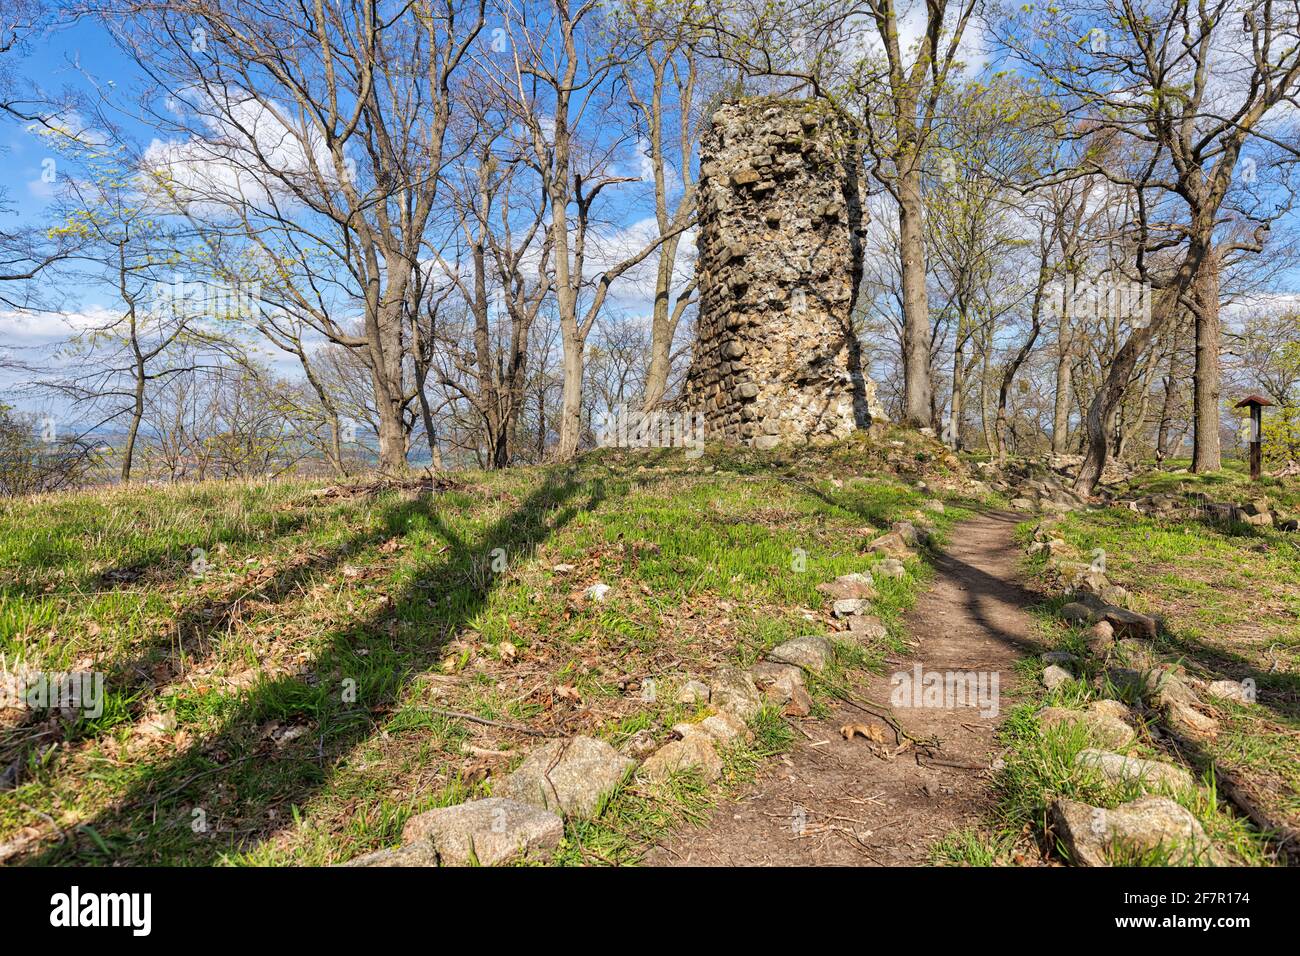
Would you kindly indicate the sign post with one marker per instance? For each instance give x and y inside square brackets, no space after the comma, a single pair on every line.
[1256,404]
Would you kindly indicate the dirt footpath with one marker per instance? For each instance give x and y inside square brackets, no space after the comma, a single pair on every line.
[832,801]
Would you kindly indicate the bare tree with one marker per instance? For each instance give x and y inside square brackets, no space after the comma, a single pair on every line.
[501,271]
[320,134]
[662,78]
[556,81]
[1187,85]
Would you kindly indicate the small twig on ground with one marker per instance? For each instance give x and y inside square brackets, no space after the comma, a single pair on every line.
[490,723]
[927,761]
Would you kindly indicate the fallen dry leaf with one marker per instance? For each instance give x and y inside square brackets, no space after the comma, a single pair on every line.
[873,734]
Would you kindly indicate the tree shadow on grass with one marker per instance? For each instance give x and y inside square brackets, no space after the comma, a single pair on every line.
[236,778]
[139,560]
[131,682]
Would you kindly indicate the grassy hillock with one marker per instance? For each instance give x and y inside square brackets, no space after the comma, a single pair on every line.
[1227,594]
[292,670]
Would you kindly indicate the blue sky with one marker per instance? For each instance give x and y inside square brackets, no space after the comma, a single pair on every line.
[64,59]
[77,57]
[68,59]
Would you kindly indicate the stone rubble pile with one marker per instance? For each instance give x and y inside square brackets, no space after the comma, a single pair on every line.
[573,778]
[1198,506]
[1134,691]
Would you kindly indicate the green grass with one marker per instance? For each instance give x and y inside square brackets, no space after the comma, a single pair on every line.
[293,696]
[1229,600]
[1226,600]
[633,819]
[1039,767]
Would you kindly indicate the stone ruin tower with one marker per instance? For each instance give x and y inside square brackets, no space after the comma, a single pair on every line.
[781,219]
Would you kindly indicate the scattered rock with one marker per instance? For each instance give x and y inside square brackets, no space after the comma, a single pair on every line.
[490,831]
[1117,768]
[640,745]
[1076,612]
[891,543]
[1112,708]
[562,568]
[1107,730]
[800,703]
[1232,690]
[1186,719]
[811,653]
[721,728]
[1058,548]
[1114,594]
[693,692]
[783,685]
[1090,835]
[1054,676]
[934,504]
[847,607]
[1129,623]
[735,691]
[415,854]
[1086,581]
[777,681]
[693,751]
[1022,504]
[867,627]
[1100,638]
[596,592]
[566,776]
[1060,657]
[848,587]
[907,531]
[890,568]
[1164,685]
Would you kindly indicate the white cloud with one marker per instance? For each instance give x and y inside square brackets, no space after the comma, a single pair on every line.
[248,144]
[27,328]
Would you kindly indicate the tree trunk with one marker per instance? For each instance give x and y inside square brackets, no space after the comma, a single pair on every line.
[917,387]
[426,413]
[985,417]
[137,414]
[958,384]
[336,446]
[1105,403]
[1206,453]
[1064,371]
[1168,406]
[663,327]
[1009,375]
[1163,429]
[571,404]
[392,437]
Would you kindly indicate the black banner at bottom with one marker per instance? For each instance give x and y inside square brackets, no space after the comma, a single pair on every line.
[146,906]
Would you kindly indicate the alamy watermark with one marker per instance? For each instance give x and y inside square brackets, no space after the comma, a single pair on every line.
[133,911]
[72,692]
[217,300]
[623,427]
[1104,299]
[946,689]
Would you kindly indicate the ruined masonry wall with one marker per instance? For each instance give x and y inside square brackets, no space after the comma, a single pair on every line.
[781,224]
